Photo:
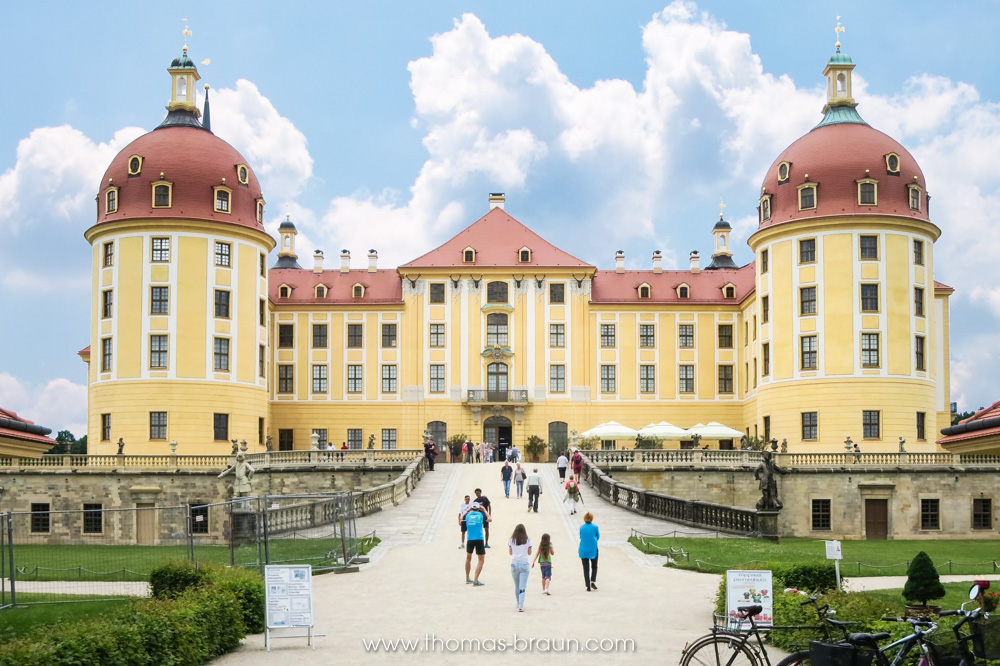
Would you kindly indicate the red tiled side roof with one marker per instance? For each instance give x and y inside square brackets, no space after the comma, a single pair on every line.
[382,286]
[705,287]
[497,237]
[85,351]
[986,413]
[966,436]
[11,433]
[942,287]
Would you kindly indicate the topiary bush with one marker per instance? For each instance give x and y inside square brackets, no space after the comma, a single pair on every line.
[173,578]
[922,580]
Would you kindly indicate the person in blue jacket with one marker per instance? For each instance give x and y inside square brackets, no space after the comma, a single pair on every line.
[589,536]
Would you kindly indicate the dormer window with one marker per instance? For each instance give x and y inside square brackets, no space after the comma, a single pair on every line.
[807,196]
[284,291]
[784,171]
[524,255]
[468,256]
[358,291]
[729,291]
[223,198]
[867,192]
[892,164]
[320,291]
[111,200]
[765,208]
[915,197]
[260,211]
[135,165]
[683,291]
[644,290]
[162,194]
[243,174]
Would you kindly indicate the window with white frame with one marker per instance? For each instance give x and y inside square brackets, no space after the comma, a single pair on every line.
[685,335]
[870,424]
[158,351]
[647,378]
[808,351]
[223,254]
[557,379]
[810,425]
[388,379]
[608,379]
[436,378]
[647,335]
[157,425]
[160,249]
[354,379]
[221,354]
[607,335]
[319,378]
[869,350]
[557,335]
[388,438]
[437,335]
[685,377]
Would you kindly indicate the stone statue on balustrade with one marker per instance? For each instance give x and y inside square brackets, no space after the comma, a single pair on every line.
[765,475]
[268,444]
[121,445]
[243,472]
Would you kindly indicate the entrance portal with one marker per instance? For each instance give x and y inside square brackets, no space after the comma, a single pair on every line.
[497,430]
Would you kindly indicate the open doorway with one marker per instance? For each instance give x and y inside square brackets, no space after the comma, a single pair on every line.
[497,430]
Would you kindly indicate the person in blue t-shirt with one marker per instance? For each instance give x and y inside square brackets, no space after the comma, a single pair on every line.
[475,518]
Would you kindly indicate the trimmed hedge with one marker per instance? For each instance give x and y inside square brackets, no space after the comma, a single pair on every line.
[196,619]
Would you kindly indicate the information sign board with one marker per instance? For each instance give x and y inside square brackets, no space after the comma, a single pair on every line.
[288,594]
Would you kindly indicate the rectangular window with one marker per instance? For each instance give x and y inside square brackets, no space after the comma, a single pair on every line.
[319,336]
[157,351]
[765,309]
[807,300]
[437,379]
[319,378]
[260,430]
[199,519]
[607,335]
[869,350]
[262,360]
[557,292]
[725,336]
[766,361]
[355,336]
[157,425]
[222,201]
[106,357]
[930,514]
[286,378]
[869,245]
[161,249]
[767,429]
[647,378]
[286,439]
[685,335]
[764,260]
[808,346]
[222,354]
[263,265]
[982,514]
[388,336]
[109,254]
[437,292]
[921,418]
[354,379]
[220,427]
[918,352]
[39,517]
[821,514]
[286,335]
[607,379]
[388,379]
[869,298]
[159,300]
[807,251]
[321,437]
[223,252]
[221,303]
[557,335]
[918,301]
[725,379]
[262,313]
[870,425]
[93,518]
[437,335]
[105,427]
[918,252]
[686,378]
[354,436]
[810,425]
[557,378]
[388,439]
[496,330]
[107,304]
[647,335]
[496,292]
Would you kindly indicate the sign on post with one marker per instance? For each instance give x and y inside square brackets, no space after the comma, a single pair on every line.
[749,588]
[834,553]
[288,599]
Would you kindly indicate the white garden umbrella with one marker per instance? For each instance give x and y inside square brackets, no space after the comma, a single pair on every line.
[610,430]
[714,430]
[664,430]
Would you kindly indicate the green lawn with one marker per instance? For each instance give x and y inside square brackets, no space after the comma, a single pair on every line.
[44,610]
[956,594]
[861,558]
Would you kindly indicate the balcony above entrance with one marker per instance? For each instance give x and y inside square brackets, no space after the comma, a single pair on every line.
[515,397]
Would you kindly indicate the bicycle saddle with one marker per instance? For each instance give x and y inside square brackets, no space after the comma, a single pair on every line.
[838,623]
[868,640]
[747,611]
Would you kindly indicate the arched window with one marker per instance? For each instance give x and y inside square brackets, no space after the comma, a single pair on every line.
[320,291]
[358,291]
[524,255]
[222,200]
[558,436]
[496,330]
[496,292]
[438,430]
[496,381]
[283,292]
[841,83]
[182,87]
[469,255]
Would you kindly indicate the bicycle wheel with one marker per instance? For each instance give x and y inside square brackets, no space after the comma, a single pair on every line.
[720,650]
[797,659]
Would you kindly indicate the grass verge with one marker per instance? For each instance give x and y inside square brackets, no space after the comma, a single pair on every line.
[51,609]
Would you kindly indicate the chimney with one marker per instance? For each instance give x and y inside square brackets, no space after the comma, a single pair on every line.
[695,268]
[620,261]
[345,261]
[496,200]
[657,262]
[318,262]
[372,261]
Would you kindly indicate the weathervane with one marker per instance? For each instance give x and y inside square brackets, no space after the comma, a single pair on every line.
[721,207]
[186,32]
[839,29]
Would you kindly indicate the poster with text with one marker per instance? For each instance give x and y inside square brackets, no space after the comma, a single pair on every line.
[749,588]
[288,596]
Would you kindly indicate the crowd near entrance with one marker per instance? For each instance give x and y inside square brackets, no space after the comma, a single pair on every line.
[498,430]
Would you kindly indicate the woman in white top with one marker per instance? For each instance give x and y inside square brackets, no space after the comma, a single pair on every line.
[520,551]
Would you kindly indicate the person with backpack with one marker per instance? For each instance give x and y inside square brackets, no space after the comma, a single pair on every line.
[572,494]
[577,464]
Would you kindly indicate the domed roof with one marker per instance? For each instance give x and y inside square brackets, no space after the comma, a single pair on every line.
[194,161]
[835,156]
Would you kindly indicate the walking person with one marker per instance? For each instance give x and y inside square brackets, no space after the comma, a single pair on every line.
[534,489]
[520,550]
[431,452]
[484,502]
[465,452]
[589,536]
[561,463]
[506,472]
[544,559]
[479,452]
[519,477]
[572,494]
[463,508]
[476,517]
[577,463]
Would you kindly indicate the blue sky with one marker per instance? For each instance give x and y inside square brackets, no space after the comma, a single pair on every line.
[384,125]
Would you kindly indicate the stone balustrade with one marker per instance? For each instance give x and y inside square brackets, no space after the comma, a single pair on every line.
[793,460]
[163,462]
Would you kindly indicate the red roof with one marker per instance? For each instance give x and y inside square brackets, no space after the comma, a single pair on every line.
[15,433]
[990,412]
[704,287]
[835,157]
[195,161]
[382,286]
[497,239]
[941,286]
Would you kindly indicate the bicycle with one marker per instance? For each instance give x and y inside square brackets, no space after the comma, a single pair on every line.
[825,624]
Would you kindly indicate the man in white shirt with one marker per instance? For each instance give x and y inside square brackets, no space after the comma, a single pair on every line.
[534,488]
[463,509]
[561,463]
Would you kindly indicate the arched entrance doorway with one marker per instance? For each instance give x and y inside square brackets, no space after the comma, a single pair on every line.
[497,430]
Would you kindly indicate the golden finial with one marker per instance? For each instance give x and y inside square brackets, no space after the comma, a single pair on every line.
[722,205]
[839,29]
[186,32]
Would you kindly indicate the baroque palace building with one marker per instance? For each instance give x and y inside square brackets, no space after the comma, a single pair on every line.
[836,329]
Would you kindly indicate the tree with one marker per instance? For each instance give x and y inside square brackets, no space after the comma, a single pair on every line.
[961,417]
[79,447]
[922,580]
[534,447]
[648,443]
[65,441]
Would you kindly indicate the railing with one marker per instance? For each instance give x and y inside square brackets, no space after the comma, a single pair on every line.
[729,519]
[392,493]
[673,456]
[518,396]
[741,457]
[166,462]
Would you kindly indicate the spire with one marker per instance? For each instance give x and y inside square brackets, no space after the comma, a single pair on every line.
[286,253]
[722,257]
[206,117]
[182,109]
[840,106]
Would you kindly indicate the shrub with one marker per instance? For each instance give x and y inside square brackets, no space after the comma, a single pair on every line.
[922,580]
[811,577]
[173,578]
[247,587]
